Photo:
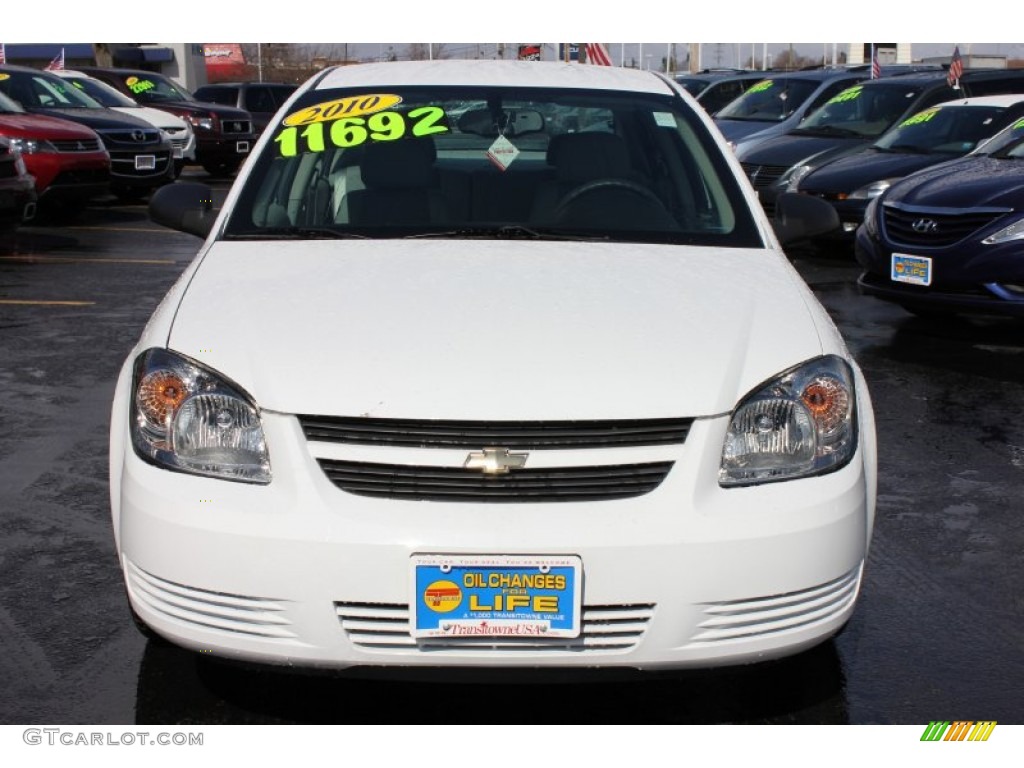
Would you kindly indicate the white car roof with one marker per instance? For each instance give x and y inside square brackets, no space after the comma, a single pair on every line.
[499,73]
[997,100]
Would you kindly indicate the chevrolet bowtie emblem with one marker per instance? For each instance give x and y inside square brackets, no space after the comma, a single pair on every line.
[495,461]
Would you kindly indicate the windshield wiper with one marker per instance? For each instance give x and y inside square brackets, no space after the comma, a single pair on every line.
[504,232]
[297,233]
[825,130]
[912,149]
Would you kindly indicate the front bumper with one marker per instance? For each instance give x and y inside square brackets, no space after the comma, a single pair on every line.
[968,277]
[300,572]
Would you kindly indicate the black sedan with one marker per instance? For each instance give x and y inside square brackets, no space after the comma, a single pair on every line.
[950,239]
[935,135]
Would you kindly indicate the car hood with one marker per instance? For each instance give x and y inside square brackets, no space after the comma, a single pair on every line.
[475,329]
[97,119]
[969,182]
[788,150]
[156,117]
[850,173]
[734,130]
[36,126]
[202,108]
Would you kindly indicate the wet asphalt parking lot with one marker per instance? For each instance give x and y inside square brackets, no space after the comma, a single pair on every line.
[938,634]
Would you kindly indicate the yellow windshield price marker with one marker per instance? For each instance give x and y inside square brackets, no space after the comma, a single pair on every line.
[920,117]
[350,106]
[848,95]
[350,132]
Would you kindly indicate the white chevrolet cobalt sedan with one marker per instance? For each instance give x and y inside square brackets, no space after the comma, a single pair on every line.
[491,363]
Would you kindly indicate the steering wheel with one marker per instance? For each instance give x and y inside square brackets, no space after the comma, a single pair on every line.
[606,184]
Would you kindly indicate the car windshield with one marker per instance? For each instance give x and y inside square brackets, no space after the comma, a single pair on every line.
[42,91]
[694,85]
[951,130]
[863,111]
[153,89]
[101,92]
[770,100]
[9,106]
[1009,142]
[493,162]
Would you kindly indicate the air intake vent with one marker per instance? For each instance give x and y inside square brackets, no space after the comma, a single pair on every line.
[418,483]
[508,434]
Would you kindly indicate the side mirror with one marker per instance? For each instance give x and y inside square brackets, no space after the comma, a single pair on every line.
[185,206]
[798,217]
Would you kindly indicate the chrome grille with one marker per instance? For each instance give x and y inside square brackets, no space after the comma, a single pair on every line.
[909,227]
[76,145]
[125,139]
[762,616]
[763,176]
[238,614]
[508,434]
[553,484]
[385,627]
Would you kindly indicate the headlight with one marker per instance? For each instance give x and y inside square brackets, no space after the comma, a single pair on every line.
[795,176]
[203,122]
[189,418]
[1013,232]
[801,423]
[872,190]
[871,217]
[32,146]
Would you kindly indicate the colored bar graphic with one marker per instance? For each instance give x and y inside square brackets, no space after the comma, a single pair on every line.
[958,730]
[935,730]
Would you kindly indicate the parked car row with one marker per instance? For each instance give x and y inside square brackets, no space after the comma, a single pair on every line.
[925,176]
[82,134]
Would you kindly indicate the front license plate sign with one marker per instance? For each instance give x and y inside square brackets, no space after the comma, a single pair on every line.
[178,153]
[242,147]
[145,162]
[916,270]
[470,596]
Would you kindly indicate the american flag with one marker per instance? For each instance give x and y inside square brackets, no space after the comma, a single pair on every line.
[3,54]
[956,68]
[876,68]
[598,54]
[57,64]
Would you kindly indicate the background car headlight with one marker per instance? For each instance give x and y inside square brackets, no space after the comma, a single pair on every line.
[872,190]
[871,215]
[795,176]
[189,418]
[32,146]
[801,423]
[1013,232]
[205,122]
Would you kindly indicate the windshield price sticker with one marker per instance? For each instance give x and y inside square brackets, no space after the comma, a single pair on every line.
[921,117]
[350,106]
[496,596]
[916,270]
[764,85]
[848,95]
[135,85]
[1018,125]
[350,132]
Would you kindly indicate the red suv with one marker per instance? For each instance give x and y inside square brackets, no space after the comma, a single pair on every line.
[67,159]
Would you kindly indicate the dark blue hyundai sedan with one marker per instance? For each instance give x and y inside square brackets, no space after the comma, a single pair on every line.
[950,239]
